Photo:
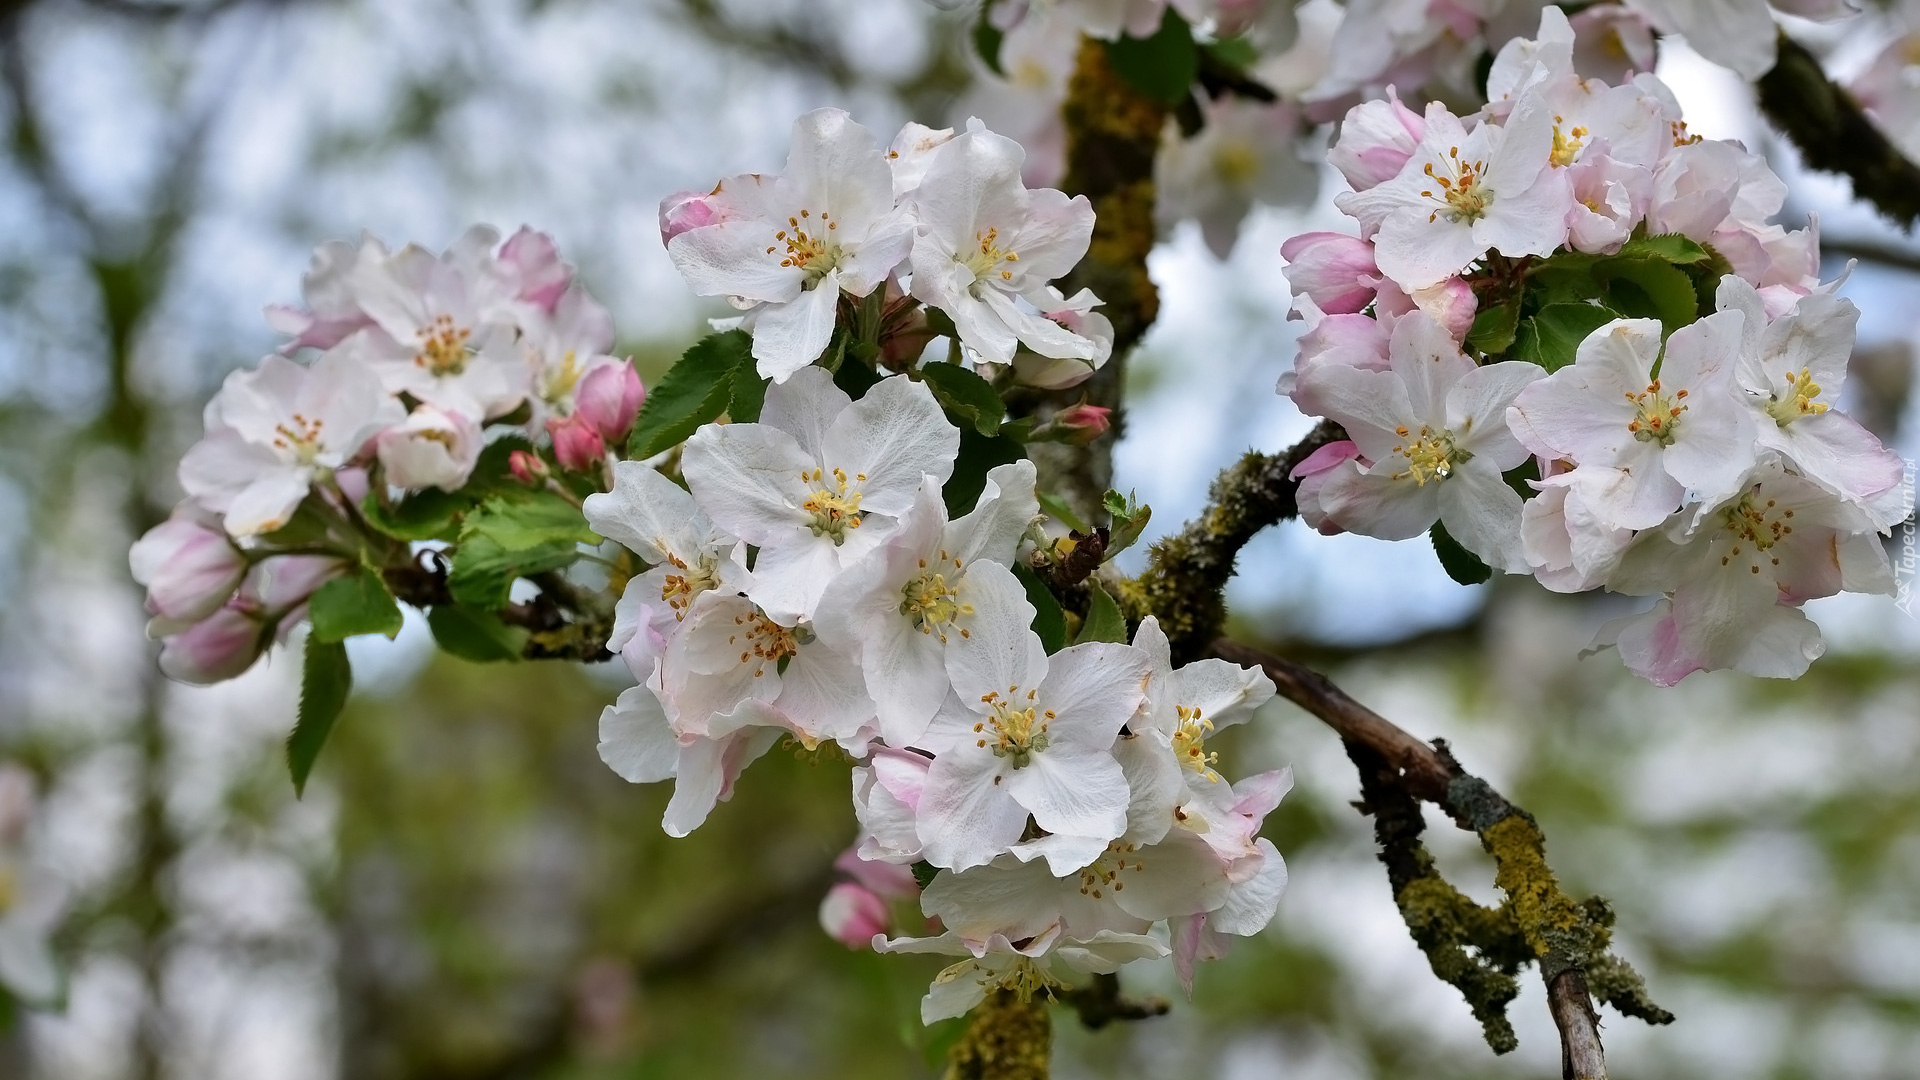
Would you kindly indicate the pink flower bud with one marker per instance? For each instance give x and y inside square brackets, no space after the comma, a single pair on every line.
[609,397]
[1313,474]
[188,565]
[527,468]
[852,914]
[685,210]
[1081,424]
[533,264]
[1376,139]
[216,648]
[889,881]
[1451,303]
[1335,271]
[575,444]
[280,585]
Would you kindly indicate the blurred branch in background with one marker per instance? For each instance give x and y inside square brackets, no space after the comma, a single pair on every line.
[1835,135]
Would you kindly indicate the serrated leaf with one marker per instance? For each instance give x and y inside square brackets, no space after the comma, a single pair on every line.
[1049,622]
[1460,564]
[536,518]
[748,393]
[978,454]
[483,572]
[1669,247]
[326,678]
[1104,621]
[1161,67]
[1129,521]
[430,514]
[475,635]
[923,873]
[694,391]
[1494,328]
[1551,336]
[356,604]
[967,397]
[510,537]
[1057,509]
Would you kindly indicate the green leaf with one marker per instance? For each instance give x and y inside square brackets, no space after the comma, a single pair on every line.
[967,397]
[1237,52]
[987,38]
[1551,336]
[353,605]
[1129,521]
[512,536]
[694,391]
[923,873]
[1649,289]
[1460,564]
[325,681]
[429,514]
[1161,67]
[1057,509]
[1494,328]
[310,525]
[978,453]
[1049,622]
[1669,247]
[1104,621]
[475,635]
[748,394]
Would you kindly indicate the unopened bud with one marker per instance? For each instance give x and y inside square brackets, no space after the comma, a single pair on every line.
[852,914]
[609,397]
[527,468]
[1081,424]
[576,445]
[189,566]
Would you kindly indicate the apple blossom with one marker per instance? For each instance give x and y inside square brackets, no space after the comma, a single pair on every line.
[576,445]
[430,448]
[1025,968]
[1246,152]
[609,397]
[640,746]
[188,564]
[784,248]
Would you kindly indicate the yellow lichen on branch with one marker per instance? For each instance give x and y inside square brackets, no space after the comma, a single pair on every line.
[1007,1038]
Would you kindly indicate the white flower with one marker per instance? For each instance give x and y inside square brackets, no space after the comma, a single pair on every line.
[987,247]
[820,480]
[1248,152]
[1661,437]
[273,430]
[637,743]
[1464,193]
[559,348]
[787,246]
[1433,429]
[1024,733]
[431,448]
[1791,371]
[886,799]
[687,554]
[905,607]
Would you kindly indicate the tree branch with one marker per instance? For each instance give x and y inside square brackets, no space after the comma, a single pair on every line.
[1538,922]
[1834,134]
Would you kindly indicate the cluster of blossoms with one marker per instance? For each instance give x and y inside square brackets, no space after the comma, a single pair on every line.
[1474,342]
[937,217]
[1067,802]
[418,362]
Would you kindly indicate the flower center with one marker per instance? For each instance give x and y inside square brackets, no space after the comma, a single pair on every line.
[1023,976]
[1017,732]
[1762,524]
[931,602]
[1795,400]
[1655,416]
[1237,162]
[1463,194]
[765,641]
[834,508]
[1566,147]
[1430,455]
[1189,743]
[300,437]
[679,590]
[1104,875]
[990,256]
[1681,137]
[558,380]
[813,251]
[443,347]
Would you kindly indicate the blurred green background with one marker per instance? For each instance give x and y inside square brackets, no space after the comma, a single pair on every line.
[466,892]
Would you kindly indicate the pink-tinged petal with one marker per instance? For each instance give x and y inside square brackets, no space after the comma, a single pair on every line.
[965,818]
[1334,270]
[853,915]
[1713,446]
[1071,790]
[188,565]
[1372,503]
[1371,405]
[1532,222]
[1429,362]
[788,337]
[731,259]
[1416,250]
[1250,904]
[533,264]
[823,696]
